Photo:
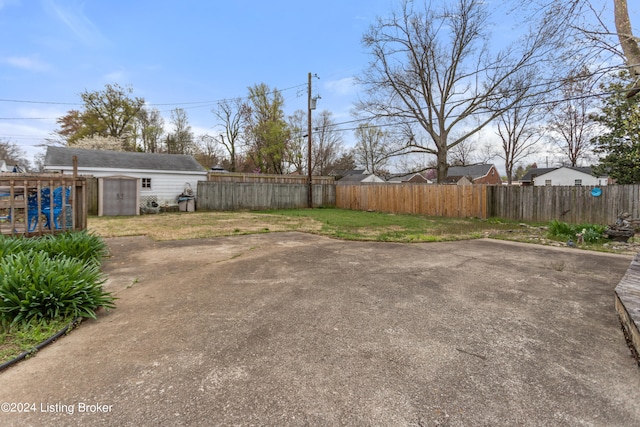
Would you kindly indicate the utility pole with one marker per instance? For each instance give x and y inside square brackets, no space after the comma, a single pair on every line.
[311,102]
[310,184]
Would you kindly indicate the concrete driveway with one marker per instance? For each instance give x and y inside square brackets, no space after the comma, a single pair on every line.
[295,329]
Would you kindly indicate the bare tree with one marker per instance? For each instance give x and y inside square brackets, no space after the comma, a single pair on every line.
[462,154]
[518,126]
[298,145]
[13,155]
[629,43]
[207,151]
[327,143]
[180,141]
[434,68]
[570,125]
[371,150]
[520,136]
[231,114]
[150,128]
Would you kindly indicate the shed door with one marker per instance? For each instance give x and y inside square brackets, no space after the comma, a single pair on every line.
[119,197]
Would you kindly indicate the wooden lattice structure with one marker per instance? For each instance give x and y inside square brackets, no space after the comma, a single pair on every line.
[37,204]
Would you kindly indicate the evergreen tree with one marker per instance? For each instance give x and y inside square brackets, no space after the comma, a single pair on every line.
[620,141]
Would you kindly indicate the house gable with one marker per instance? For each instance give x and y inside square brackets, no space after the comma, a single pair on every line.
[414,178]
[358,176]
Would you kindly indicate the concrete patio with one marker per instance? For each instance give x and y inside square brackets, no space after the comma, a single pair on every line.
[296,329]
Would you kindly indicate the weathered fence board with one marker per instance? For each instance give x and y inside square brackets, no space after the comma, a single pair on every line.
[565,203]
[573,204]
[229,196]
[267,178]
[423,199]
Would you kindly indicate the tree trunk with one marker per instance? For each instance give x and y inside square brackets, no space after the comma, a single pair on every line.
[628,42]
[442,167]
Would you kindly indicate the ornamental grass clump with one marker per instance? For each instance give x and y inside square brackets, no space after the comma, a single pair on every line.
[78,245]
[51,278]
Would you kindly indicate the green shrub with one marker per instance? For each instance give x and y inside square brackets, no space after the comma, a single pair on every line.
[591,233]
[35,285]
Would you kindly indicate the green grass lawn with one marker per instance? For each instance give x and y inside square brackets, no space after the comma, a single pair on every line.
[384,227]
[337,223]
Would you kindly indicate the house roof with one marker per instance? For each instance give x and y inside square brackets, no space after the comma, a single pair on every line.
[356,177]
[413,177]
[63,156]
[533,172]
[473,171]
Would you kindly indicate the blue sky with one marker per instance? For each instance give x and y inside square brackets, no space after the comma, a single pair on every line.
[187,54]
[173,53]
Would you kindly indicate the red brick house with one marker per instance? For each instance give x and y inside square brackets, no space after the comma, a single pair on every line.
[476,174]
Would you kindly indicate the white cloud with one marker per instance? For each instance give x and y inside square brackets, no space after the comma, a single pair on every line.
[73,17]
[27,63]
[345,86]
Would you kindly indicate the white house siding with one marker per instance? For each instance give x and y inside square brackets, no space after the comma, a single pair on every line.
[165,185]
[567,176]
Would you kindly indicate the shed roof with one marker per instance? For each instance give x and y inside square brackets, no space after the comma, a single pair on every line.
[63,156]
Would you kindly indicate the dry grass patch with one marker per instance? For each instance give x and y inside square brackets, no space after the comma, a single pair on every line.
[193,225]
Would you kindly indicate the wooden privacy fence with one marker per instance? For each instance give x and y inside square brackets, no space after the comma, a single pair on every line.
[423,199]
[229,196]
[263,178]
[572,204]
[564,203]
[42,204]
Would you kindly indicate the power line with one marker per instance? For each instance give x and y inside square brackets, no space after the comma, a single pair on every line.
[196,104]
[39,102]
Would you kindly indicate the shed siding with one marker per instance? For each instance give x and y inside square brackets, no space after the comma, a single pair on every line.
[165,186]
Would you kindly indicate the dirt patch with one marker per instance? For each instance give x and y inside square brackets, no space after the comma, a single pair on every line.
[200,225]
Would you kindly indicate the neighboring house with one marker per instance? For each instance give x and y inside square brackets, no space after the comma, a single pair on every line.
[473,174]
[358,177]
[564,175]
[160,178]
[458,180]
[415,178]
